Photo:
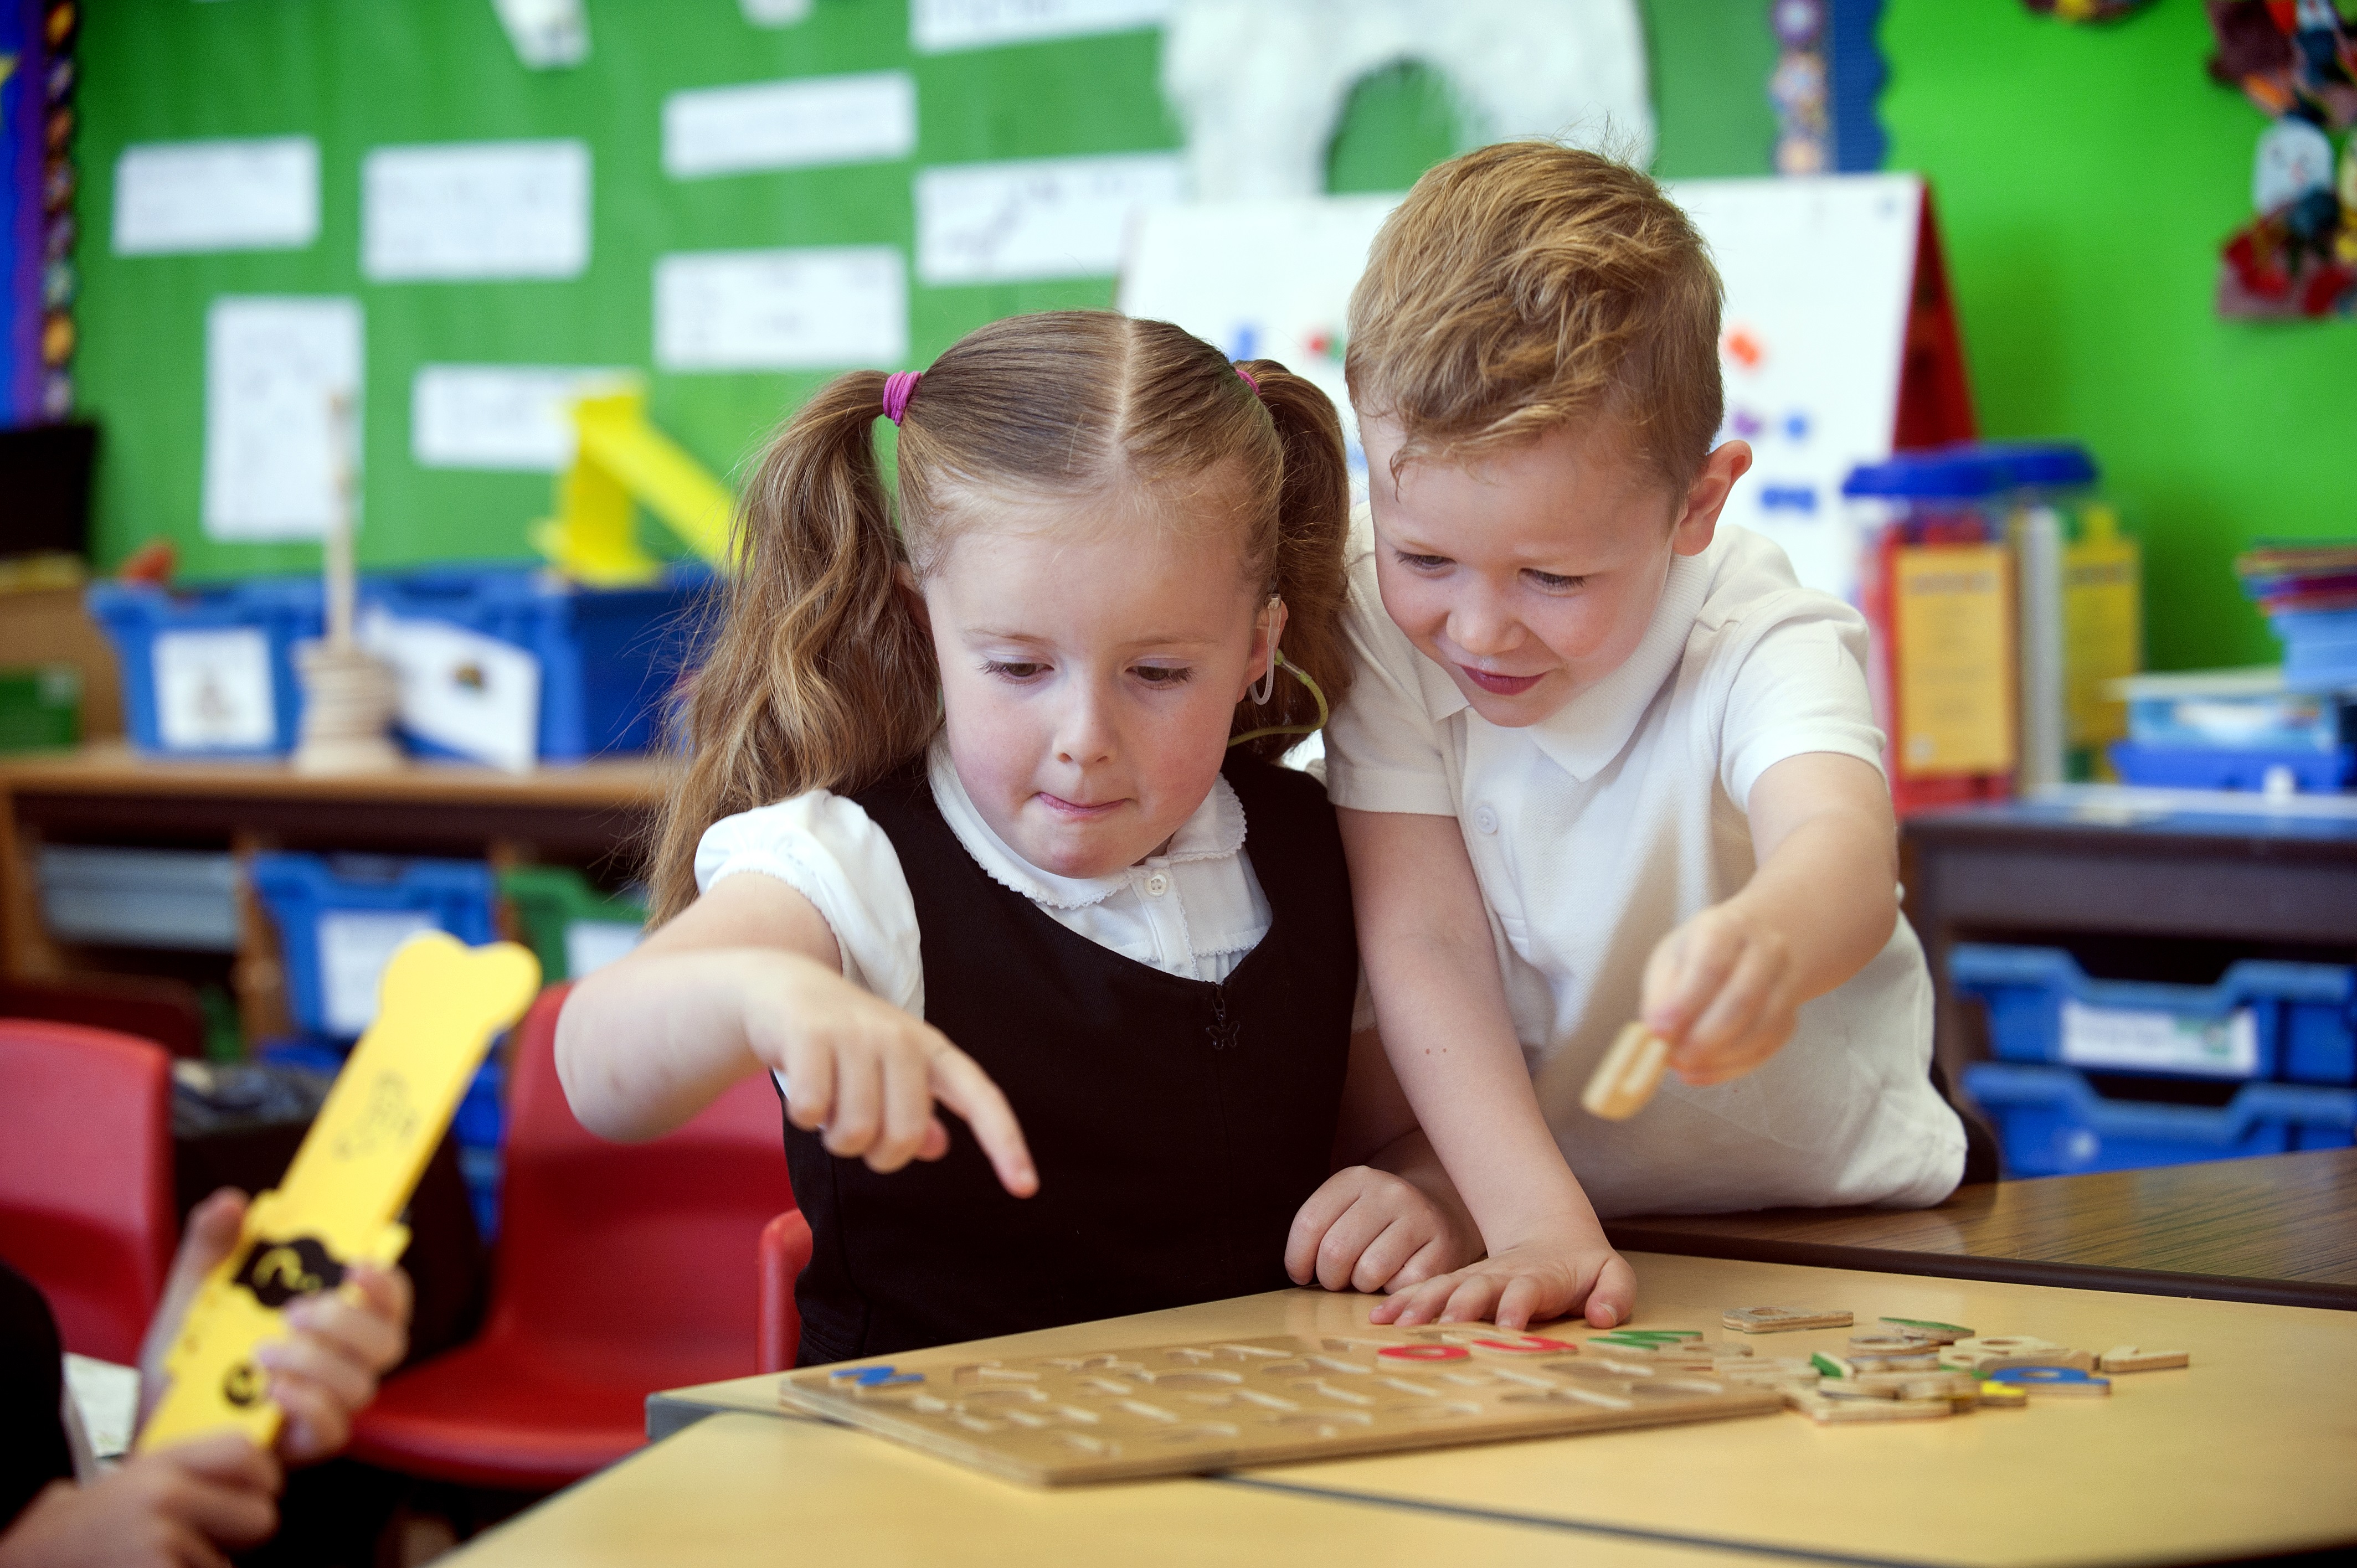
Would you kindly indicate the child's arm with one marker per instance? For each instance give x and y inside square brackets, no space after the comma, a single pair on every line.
[1723,987]
[749,977]
[1388,1218]
[1425,932]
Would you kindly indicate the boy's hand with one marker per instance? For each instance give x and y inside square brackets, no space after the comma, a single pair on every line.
[1538,1281]
[1367,1229]
[325,1370]
[869,1073]
[177,1507]
[1720,990]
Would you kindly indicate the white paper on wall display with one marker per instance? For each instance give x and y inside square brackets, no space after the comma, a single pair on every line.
[213,691]
[515,417]
[937,27]
[819,120]
[773,12]
[1267,279]
[821,309]
[171,197]
[1819,272]
[273,367]
[475,210]
[354,947]
[474,694]
[1042,218]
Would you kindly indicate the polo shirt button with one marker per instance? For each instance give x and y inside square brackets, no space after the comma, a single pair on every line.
[1486,819]
[1158,885]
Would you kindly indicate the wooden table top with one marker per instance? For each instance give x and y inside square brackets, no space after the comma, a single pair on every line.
[2280,1229]
[113,768]
[2249,1451]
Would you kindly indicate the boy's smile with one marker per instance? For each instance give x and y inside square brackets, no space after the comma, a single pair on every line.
[1531,573]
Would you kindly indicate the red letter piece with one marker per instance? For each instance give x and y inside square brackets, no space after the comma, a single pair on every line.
[1425,1352]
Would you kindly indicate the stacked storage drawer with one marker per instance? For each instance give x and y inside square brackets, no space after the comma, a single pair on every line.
[574,928]
[2284,1033]
[340,920]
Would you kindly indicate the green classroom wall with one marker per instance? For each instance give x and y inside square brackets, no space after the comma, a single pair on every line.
[2086,178]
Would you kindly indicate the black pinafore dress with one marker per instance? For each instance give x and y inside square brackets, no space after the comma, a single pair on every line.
[1176,1124]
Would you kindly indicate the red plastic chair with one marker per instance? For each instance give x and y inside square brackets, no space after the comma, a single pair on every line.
[785,1253]
[86,1208]
[622,1270]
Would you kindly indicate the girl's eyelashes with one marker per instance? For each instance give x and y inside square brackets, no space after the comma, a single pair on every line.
[1554,581]
[1012,668]
[1164,674]
[1421,563]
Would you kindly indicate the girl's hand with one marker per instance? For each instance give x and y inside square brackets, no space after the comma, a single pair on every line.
[1536,1282]
[324,1370]
[1721,990]
[1367,1229]
[177,1507]
[867,1074]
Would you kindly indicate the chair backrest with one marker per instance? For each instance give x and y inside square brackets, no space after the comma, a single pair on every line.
[652,1241]
[86,1210]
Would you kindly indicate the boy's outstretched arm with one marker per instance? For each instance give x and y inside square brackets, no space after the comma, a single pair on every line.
[1723,988]
[749,977]
[1426,934]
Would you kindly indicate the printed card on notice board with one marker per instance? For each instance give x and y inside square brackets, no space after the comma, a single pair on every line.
[1953,607]
[274,368]
[1040,218]
[213,690]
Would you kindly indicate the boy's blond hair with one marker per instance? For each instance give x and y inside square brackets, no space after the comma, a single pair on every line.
[1525,285]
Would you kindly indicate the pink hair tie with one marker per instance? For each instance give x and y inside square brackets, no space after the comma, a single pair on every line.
[1248,380]
[899,388]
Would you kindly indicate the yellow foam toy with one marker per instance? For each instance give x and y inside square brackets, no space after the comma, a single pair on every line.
[441,1001]
[618,460]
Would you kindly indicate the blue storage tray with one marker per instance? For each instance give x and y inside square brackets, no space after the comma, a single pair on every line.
[2050,1122]
[2042,1007]
[608,657]
[2225,768]
[301,890]
[283,610]
[2319,647]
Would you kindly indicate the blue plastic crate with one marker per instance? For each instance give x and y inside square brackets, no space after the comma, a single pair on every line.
[2262,1020]
[340,917]
[246,631]
[608,657]
[2050,1122]
[2225,767]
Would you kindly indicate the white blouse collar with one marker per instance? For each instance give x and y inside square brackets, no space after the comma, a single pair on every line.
[1215,831]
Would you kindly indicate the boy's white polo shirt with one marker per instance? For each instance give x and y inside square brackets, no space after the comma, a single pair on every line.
[1595,832]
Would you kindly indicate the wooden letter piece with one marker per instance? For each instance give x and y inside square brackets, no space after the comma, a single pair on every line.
[1926,1329]
[1828,1412]
[1628,1074]
[1987,1354]
[2053,1382]
[2131,1359]
[1781,1319]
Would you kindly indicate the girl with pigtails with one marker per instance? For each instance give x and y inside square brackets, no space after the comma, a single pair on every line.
[981,811]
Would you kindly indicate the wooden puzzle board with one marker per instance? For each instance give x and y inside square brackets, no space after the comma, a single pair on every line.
[1215,1405]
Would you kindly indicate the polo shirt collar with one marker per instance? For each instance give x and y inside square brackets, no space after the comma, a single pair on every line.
[1590,730]
[1214,830]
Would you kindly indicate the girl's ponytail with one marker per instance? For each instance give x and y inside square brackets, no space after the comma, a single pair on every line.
[1313,525]
[818,675]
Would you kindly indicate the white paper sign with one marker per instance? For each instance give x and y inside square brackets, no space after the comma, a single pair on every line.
[354,947]
[1042,218]
[548,35]
[172,198]
[515,417]
[2140,1039]
[790,124]
[936,27]
[821,309]
[474,694]
[475,210]
[213,691]
[1819,273]
[273,367]
[773,12]
[591,945]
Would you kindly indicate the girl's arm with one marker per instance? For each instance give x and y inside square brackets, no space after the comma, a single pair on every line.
[1388,1218]
[749,977]
[1450,1039]
[1724,988]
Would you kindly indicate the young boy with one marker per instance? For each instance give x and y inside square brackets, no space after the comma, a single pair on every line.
[1603,760]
